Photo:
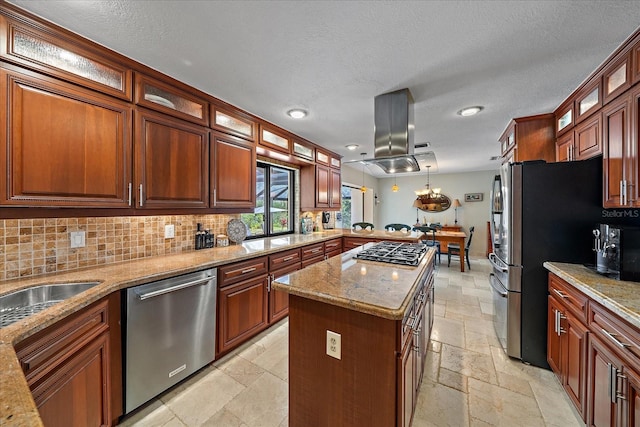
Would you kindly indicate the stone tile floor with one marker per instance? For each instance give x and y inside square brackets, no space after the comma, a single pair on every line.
[468,381]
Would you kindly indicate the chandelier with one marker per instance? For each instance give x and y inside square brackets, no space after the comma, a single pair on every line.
[428,195]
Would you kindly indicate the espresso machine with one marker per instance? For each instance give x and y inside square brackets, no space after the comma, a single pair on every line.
[606,244]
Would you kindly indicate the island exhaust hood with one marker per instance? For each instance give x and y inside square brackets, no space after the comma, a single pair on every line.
[394,130]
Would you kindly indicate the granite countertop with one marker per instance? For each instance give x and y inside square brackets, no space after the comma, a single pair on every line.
[619,296]
[17,407]
[383,290]
[383,234]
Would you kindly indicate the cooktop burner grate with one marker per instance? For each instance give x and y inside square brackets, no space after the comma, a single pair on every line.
[394,253]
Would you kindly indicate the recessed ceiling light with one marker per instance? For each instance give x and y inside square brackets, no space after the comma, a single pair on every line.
[297,113]
[470,111]
[352,147]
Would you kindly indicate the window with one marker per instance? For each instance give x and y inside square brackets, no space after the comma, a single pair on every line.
[273,214]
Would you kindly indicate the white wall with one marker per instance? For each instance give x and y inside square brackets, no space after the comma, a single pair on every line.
[353,175]
[398,207]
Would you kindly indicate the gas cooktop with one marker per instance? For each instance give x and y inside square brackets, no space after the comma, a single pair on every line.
[394,253]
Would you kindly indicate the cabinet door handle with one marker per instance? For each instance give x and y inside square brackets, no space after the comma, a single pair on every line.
[560,294]
[613,338]
[129,187]
[215,198]
[560,317]
[141,199]
[269,279]
[568,153]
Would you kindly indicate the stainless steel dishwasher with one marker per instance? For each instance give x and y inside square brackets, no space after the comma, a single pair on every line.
[169,334]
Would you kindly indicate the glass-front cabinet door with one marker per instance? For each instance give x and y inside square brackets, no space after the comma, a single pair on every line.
[161,96]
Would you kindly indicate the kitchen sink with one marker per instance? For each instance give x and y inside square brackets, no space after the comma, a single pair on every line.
[21,304]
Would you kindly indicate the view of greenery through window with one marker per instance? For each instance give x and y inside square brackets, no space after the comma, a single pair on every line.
[278,199]
[345,212]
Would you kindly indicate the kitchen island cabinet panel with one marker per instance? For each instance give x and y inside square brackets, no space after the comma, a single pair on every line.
[172,162]
[65,146]
[362,384]
[242,312]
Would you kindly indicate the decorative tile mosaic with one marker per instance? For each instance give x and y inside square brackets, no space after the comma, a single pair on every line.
[30,247]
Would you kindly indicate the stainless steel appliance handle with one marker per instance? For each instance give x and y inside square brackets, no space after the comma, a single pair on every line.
[159,292]
[492,260]
[503,293]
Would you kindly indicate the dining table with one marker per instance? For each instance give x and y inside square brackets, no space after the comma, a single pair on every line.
[446,237]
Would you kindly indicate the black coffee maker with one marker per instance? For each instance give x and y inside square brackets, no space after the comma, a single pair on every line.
[326,217]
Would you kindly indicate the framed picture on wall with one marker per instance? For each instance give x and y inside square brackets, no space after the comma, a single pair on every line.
[473,197]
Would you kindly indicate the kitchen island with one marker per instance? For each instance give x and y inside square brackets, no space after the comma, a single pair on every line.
[375,320]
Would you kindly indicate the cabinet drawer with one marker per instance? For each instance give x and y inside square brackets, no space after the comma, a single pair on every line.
[310,261]
[41,352]
[569,296]
[312,251]
[232,273]
[332,253]
[283,259]
[354,242]
[614,331]
[333,245]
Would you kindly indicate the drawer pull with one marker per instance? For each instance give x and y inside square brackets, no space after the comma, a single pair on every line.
[315,250]
[615,340]
[289,258]
[248,270]
[560,294]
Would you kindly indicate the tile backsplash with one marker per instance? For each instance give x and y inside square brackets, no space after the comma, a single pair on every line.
[30,247]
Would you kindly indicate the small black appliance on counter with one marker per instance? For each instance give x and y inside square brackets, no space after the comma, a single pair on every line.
[617,251]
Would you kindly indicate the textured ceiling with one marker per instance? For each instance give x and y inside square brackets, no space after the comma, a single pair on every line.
[515,58]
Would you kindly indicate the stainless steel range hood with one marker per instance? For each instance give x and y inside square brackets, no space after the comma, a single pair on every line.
[394,130]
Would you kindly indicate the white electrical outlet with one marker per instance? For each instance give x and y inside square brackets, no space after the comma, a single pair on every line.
[334,345]
[169,231]
[77,239]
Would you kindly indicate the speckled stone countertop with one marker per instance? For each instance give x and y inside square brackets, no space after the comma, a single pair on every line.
[622,298]
[383,290]
[17,407]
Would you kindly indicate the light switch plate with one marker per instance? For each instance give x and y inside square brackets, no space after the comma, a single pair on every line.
[169,231]
[77,239]
[334,345]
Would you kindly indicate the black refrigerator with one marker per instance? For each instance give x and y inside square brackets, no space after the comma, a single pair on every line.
[539,212]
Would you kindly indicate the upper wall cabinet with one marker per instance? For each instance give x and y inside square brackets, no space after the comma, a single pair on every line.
[57,54]
[171,162]
[635,55]
[62,145]
[588,100]
[616,77]
[303,150]
[160,96]
[564,117]
[233,172]
[233,122]
[529,138]
[275,139]
[336,162]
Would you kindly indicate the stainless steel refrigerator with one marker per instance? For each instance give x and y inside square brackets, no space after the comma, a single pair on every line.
[539,212]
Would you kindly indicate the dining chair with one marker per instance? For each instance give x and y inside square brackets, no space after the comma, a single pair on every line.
[454,249]
[433,242]
[362,225]
[397,227]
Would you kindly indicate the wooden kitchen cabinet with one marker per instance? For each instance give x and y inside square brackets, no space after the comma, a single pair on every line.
[171,162]
[529,138]
[233,172]
[274,139]
[620,159]
[406,387]
[278,300]
[312,254]
[242,312]
[85,158]
[327,185]
[233,121]
[583,142]
[73,367]
[63,55]
[168,98]
[332,247]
